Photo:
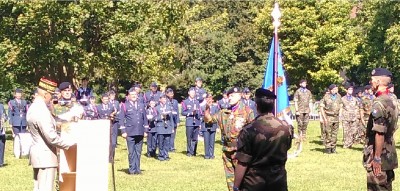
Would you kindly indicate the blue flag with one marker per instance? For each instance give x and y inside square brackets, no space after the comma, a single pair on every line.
[283,108]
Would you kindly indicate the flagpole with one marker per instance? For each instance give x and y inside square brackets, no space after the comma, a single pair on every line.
[276,15]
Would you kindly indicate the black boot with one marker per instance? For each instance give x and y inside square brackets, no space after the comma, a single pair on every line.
[333,150]
[328,151]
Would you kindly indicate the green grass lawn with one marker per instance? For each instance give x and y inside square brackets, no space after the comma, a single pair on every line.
[311,171]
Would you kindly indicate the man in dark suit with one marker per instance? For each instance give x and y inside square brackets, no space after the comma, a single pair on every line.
[133,121]
[153,93]
[224,102]
[17,109]
[84,92]
[165,127]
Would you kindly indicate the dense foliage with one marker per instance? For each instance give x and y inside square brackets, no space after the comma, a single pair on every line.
[172,42]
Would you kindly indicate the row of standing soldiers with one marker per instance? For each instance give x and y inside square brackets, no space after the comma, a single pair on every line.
[352,110]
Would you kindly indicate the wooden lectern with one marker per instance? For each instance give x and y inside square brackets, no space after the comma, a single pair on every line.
[85,166]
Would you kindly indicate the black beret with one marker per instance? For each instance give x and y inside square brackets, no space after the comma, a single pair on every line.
[246,90]
[153,84]
[261,92]
[234,90]
[381,72]
[332,86]
[18,90]
[390,85]
[169,90]
[64,85]
[367,87]
[302,80]
[199,79]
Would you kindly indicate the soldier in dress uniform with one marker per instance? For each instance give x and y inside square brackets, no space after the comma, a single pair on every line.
[84,91]
[153,93]
[209,129]
[3,119]
[133,121]
[201,93]
[192,111]
[224,102]
[138,89]
[230,121]
[379,156]
[90,110]
[151,112]
[303,106]
[175,113]
[247,100]
[261,165]
[165,127]
[114,104]
[351,115]
[331,109]
[104,110]
[17,109]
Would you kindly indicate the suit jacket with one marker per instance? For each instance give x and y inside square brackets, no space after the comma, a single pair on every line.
[164,123]
[104,112]
[133,118]
[116,107]
[192,110]
[152,122]
[150,95]
[175,111]
[42,127]
[201,93]
[83,92]
[90,112]
[17,112]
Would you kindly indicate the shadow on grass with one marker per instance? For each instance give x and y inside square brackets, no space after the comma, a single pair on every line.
[322,150]
[318,142]
[126,171]
[359,149]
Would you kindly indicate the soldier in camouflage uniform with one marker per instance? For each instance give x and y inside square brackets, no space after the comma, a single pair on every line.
[350,118]
[321,118]
[303,106]
[380,157]
[230,121]
[257,146]
[65,105]
[367,99]
[331,106]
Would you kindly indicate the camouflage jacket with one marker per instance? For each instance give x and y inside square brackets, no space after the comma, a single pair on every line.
[303,97]
[331,105]
[231,122]
[351,108]
[366,105]
[383,120]
[264,142]
[395,100]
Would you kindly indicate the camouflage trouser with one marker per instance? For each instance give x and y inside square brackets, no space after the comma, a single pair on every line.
[321,125]
[350,129]
[229,166]
[383,182]
[302,122]
[331,131]
[361,132]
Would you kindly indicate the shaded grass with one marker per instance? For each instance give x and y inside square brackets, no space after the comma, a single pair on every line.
[311,171]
